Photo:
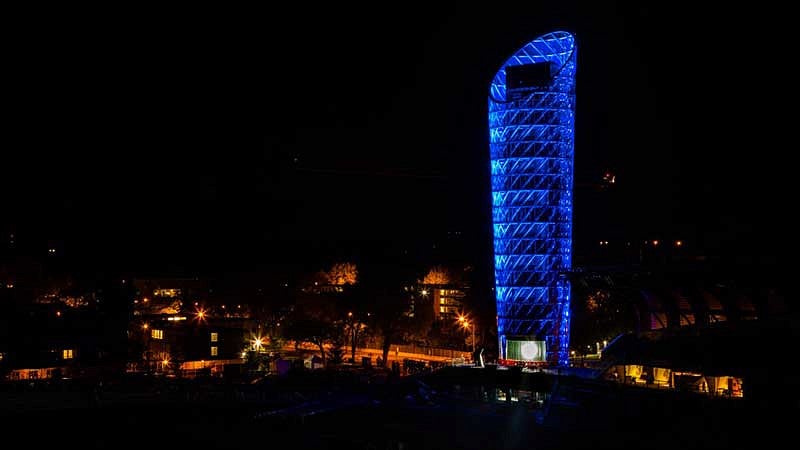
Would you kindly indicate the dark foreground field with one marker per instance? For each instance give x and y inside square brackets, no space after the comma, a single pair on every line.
[380,417]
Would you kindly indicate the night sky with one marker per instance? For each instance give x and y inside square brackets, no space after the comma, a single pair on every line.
[209,141]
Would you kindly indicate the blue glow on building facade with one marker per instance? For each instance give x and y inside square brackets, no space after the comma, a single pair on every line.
[531,128]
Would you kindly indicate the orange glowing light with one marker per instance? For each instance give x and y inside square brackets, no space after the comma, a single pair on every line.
[258,343]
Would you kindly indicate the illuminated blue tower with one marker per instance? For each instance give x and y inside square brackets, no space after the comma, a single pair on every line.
[531,128]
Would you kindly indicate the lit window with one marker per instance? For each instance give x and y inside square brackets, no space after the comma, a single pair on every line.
[214,337]
[157,334]
[172,293]
[214,351]
[441,301]
[441,309]
[66,353]
[442,291]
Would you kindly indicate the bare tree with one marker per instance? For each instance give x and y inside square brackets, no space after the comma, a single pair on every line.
[438,275]
[343,273]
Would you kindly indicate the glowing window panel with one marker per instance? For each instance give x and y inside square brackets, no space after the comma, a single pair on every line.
[531,139]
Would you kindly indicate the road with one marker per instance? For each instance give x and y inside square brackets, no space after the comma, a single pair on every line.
[394,355]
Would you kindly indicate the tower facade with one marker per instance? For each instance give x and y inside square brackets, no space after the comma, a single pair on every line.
[531,133]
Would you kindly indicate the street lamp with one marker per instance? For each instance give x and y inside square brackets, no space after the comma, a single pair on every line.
[258,344]
[472,326]
[467,324]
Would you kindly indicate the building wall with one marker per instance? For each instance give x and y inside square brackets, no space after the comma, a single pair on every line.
[448,302]
[41,373]
[190,340]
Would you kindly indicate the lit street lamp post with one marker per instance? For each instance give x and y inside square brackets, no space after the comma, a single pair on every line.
[467,324]
[472,325]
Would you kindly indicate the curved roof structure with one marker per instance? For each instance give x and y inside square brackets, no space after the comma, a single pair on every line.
[556,47]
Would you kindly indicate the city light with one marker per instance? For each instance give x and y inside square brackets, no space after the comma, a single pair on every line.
[258,343]
[678,243]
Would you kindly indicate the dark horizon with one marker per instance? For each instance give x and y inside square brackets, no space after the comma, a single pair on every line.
[189,148]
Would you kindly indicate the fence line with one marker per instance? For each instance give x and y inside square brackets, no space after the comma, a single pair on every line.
[401,348]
